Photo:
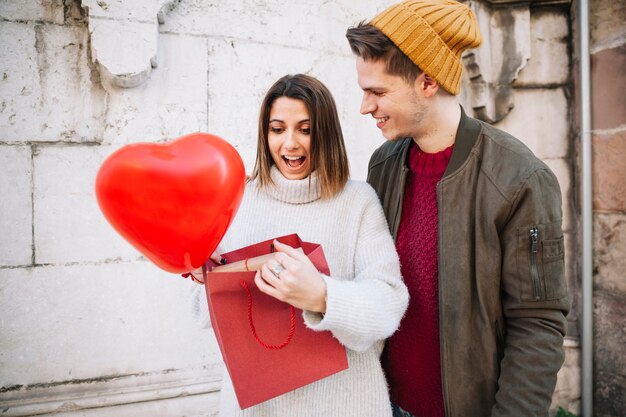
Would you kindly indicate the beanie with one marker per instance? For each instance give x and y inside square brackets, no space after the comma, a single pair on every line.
[433,34]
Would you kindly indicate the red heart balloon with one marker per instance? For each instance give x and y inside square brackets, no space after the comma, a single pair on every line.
[172,201]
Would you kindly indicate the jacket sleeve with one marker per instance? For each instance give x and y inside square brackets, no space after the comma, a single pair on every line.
[534,299]
[368,308]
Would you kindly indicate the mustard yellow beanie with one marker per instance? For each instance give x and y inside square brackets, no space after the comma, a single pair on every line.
[433,34]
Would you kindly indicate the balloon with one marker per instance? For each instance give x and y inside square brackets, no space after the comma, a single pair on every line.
[172,201]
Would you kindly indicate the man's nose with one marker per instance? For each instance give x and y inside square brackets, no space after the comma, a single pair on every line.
[367,104]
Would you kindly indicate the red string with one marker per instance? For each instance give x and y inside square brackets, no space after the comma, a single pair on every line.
[193,278]
[292,330]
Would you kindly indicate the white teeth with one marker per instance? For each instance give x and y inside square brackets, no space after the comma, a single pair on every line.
[292,158]
[382,119]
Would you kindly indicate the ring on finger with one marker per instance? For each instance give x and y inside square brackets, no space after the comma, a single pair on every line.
[276,270]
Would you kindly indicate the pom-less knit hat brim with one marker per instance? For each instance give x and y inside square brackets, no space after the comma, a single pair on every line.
[433,34]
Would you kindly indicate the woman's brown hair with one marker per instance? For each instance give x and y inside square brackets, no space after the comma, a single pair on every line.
[328,152]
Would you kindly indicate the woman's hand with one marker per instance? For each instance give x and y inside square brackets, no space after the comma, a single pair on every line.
[216,258]
[196,275]
[299,283]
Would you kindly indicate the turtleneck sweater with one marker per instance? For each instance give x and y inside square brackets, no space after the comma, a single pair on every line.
[366,297]
[412,355]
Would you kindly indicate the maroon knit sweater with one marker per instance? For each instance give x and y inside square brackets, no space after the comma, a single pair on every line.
[411,358]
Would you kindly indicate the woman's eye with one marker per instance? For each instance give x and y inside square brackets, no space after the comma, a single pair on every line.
[276,130]
[306,131]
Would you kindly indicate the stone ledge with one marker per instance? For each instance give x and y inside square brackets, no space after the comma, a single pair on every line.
[107,391]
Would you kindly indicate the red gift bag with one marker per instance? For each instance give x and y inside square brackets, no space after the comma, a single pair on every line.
[267,348]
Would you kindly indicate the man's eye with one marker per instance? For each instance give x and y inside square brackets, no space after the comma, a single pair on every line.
[377,93]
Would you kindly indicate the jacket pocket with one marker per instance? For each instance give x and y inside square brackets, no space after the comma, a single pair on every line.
[553,266]
[540,256]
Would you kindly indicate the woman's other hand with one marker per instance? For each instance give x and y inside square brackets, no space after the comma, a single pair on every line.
[216,258]
[296,280]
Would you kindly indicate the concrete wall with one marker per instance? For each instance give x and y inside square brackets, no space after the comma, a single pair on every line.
[88,326]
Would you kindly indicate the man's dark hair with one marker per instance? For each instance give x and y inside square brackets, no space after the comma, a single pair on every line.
[371,44]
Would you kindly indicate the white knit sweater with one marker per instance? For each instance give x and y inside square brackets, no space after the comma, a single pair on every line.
[366,297]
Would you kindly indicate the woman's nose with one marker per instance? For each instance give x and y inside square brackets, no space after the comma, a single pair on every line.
[291,140]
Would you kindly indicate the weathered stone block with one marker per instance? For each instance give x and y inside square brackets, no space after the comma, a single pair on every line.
[549,59]
[20,89]
[69,226]
[608,88]
[609,171]
[540,120]
[16,208]
[48,89]
[226,87]
[124,51]
[63,323]
[172,103]
[609,247]
[301,24]
[606,23]
[609,360]
[32,10]
[494,66]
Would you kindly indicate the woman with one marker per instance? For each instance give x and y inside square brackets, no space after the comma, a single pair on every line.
[300,185]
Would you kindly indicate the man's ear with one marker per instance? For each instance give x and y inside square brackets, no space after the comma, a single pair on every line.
[426,84]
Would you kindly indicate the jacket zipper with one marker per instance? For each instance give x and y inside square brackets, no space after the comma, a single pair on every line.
[534,238]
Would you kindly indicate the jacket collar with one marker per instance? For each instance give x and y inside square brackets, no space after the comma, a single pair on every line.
[466,137]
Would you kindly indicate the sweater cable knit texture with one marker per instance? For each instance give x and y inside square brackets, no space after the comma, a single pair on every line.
[412,359]
[366,297]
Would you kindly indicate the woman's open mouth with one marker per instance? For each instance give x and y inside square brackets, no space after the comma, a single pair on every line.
[294,161]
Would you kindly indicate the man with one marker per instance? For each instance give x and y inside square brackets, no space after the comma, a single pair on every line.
[477,222]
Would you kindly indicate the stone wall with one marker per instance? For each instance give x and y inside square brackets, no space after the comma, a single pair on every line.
[608,89]
[89,327]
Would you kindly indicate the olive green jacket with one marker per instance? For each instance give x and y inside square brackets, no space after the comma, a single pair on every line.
[502,293]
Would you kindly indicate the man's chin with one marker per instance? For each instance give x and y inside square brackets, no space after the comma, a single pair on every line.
[394,138]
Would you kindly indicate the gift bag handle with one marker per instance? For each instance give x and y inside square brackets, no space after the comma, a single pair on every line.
[292,329]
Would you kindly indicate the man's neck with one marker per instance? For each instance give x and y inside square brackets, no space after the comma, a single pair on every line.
[444,122]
